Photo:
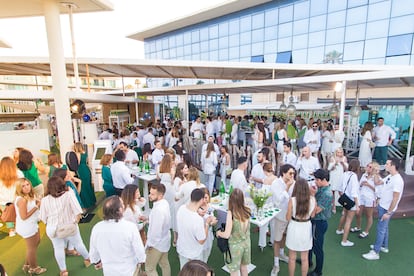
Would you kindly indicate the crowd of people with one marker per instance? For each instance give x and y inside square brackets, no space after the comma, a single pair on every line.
[303,166]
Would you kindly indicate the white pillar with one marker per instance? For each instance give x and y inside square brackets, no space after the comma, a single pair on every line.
[343,103]
[58,71]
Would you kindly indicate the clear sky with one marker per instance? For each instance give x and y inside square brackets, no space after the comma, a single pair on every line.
[101,34]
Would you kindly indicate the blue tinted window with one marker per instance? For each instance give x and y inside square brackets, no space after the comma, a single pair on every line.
[300,56]
[270,33]
[234,26]
[258,35]
[356,3]
[377,29]
[379,11]
[224,54]
[329,57]
[375,48]
[223,29]
[234,53]
[301,10]
[356,15]
[284,57]
[257,48]
[285,29]
[171,41]
[204,46]
[187,38]
[284,44]
[204,34]
[354,50]
[245,24]
[173,53]
[214,56]
[187,50]
[245,38]
[158,45]
[317,23]
[195,48]
[300,41]
[180,51]
[286,14]
[270,47]
[336,19]
[213,31]
[336,5]
[164,43]
[271,17]
[257,58]
[245,51]
[355,33]
[318,7]
[223,42]
[402,7]
[317,39]
[195,36]
[315,55]
[334,36]
[402,25]
[398,60]
[234,40]
[300,26]
[179,39]
[399,45]
[257,21]
[165,54]
[213,44]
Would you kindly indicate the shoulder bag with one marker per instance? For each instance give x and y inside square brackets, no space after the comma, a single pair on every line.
[9,213]
[223,245]
[344,200]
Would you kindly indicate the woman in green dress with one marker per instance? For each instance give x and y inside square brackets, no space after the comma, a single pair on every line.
[87,193]
[108,185]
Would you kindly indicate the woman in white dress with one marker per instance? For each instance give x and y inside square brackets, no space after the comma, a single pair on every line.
[166,172]
[209,164]
[133,202]
[338,164]
[365,151]
[328,140]
[225,164]
[180,177]
[301,208]
[281,137]
[27,218]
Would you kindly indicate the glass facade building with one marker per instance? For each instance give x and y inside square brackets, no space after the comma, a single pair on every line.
[301,32]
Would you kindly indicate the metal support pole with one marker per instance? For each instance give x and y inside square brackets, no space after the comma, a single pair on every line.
[72,36]
[343,103]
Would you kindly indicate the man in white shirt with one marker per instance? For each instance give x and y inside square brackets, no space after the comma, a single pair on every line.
[106,135]
[158,236]
[216,147]
[157,154]
[210,129]
[257,174]
[140,133]
[131,157]
[339,137]
[288,157]
[238,179]
[192,231]
[149,138]
[115,243]
[121,175]
[307,164]
[383,136]
[197,128]
[312,139]
[388,203]
[282,189]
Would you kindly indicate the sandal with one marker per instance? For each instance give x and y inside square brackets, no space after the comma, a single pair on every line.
[37,271]
[72,253]
[363,235]
[355,229]
[26,268]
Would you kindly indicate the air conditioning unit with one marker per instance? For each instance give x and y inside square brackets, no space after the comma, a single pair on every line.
[293,99]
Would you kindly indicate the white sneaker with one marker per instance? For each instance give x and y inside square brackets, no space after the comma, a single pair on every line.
[371,255]
[339,232]
[275,271]
[347,243]
[284,258]
[383,249]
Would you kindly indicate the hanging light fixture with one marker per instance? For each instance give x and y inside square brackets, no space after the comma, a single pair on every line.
[291,108]
[283,106]
[356,109]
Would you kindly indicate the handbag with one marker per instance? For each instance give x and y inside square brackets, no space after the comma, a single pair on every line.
[223,245]
[371,144]
[66,230]
[344,200]
[9,213]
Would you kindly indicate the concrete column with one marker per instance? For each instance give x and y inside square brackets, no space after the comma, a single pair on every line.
[58,69]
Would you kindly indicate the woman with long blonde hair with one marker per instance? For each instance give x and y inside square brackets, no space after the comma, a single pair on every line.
[27,217]
[238,232]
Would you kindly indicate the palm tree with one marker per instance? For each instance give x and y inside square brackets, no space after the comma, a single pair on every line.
[333,57]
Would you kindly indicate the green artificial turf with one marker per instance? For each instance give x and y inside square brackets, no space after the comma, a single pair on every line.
[338,260]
